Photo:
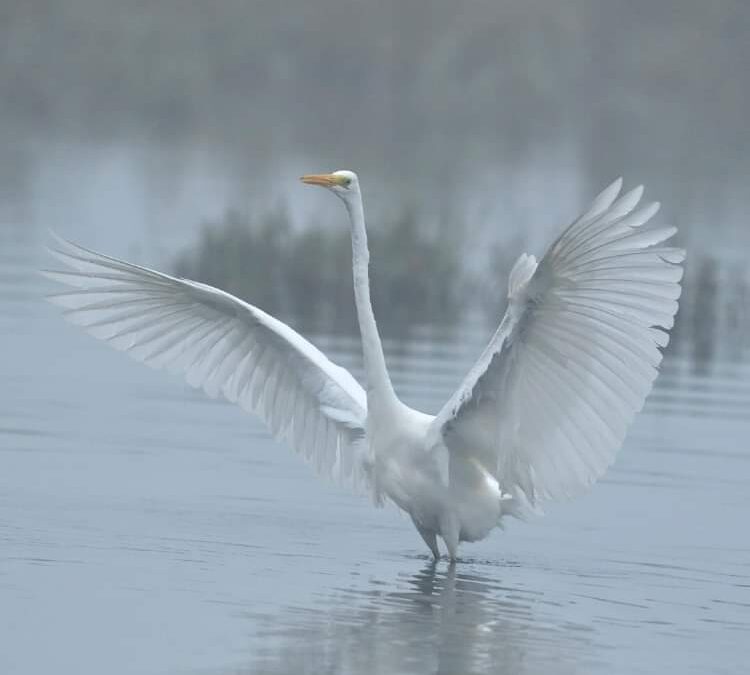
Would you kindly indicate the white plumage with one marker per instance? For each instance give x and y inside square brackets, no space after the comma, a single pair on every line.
[548,403]
[224,346]
[540,416]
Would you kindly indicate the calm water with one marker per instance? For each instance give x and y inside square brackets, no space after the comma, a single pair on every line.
[145,529]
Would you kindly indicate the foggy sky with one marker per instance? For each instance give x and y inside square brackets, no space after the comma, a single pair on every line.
[427,98]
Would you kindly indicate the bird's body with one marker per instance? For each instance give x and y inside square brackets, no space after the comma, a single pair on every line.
[450,496]
[539,416]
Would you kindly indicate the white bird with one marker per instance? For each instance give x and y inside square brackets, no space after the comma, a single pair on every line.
[540,415]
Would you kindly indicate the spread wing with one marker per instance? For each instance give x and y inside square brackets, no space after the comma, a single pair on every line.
[548,403]
[224,346]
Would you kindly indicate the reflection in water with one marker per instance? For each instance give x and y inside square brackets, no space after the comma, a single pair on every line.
[453,620]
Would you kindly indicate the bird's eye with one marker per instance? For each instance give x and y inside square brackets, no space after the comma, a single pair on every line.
[347,182]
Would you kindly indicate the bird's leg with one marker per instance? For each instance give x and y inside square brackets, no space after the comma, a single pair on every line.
[430,538]
[449,533]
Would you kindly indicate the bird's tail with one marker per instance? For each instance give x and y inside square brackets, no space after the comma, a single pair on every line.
[516,505]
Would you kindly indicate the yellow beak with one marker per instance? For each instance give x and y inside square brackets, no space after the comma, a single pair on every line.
[323,179]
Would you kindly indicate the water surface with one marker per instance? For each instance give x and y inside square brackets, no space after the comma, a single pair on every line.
[146,529]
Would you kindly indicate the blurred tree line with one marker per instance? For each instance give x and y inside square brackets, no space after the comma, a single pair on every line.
[453,101]
[304,275]
[714,318]
[422,278]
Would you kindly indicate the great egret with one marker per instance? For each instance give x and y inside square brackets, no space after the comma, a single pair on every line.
[539,416]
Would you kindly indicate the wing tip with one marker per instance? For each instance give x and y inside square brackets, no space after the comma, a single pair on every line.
[58,241]
[677,255]
[610,193]
[53,275]
[62,249]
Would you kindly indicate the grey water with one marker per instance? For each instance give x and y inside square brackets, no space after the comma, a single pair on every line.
[146,529]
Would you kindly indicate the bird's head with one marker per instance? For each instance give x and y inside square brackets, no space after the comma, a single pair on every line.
[343,184]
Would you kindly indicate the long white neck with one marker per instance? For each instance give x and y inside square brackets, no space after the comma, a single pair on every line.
[380,392]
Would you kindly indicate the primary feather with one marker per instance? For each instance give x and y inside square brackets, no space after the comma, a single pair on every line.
[222,345]
[547,405]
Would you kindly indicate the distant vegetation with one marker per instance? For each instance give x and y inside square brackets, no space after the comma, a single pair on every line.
[305,274]
[421,277]
[468,105]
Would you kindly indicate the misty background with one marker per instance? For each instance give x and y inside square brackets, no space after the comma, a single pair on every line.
[145,528]
[174,131]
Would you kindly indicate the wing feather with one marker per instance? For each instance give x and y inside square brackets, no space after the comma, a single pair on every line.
[548,403]
[222,345]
